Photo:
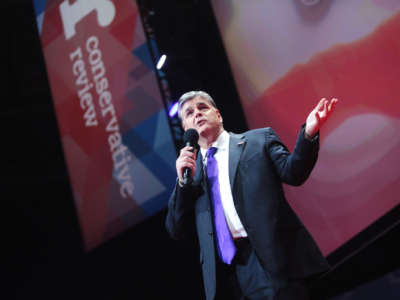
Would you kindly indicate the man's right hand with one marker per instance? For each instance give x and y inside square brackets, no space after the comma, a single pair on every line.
[186,158]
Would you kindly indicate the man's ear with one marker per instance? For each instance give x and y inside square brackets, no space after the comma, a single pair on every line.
[183,125]
[219,116]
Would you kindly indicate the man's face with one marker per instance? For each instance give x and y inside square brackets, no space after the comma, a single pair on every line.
[199,114]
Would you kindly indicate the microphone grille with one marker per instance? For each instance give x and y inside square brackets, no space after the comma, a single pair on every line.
[191,135]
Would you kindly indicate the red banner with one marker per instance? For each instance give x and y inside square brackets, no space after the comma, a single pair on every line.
[113,126]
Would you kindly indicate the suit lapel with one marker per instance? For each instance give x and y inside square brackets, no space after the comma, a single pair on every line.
[200,182]
[237,142]
[198,177]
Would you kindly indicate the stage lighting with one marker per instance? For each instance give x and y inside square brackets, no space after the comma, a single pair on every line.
[161,61]
[173,110]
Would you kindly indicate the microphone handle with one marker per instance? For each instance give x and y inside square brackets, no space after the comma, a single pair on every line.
[187,172]
[187,176]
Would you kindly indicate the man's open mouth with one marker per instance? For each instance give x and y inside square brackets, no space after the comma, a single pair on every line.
[201,122]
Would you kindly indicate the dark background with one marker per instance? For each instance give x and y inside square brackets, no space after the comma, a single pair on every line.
[45,258]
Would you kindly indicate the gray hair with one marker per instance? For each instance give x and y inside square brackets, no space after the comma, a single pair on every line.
[191,95]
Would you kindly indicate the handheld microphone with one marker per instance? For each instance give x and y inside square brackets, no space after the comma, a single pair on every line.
[190,138]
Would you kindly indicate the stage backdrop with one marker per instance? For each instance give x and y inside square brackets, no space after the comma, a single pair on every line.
[116,139]
[285,56]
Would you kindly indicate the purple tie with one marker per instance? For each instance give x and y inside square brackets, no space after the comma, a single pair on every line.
[226,247]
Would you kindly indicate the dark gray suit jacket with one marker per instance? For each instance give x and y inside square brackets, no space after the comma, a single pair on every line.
[258,164]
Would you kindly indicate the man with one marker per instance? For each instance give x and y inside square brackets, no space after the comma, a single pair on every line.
[252,245]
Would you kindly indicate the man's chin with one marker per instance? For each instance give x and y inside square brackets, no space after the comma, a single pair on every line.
[203,130]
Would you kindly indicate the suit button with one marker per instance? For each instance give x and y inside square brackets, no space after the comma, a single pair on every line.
[210,233]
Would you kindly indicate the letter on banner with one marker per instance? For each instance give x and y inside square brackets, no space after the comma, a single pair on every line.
[71,14]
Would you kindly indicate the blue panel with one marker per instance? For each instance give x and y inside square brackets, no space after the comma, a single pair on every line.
[151,143]
[142,52]
[39,6]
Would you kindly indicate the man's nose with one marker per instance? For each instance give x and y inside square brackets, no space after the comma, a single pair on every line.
[197,113]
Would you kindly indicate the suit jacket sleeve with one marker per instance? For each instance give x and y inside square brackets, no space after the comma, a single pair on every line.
[293,168]
[180,216]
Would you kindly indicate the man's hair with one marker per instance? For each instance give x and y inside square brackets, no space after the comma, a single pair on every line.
[189,96]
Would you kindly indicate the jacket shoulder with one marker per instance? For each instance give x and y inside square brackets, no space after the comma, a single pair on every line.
[257,133]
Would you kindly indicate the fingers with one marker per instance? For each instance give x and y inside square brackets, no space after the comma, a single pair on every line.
[188,152]
[186,159]
[325,105]
[187,164]
[318,117]
[328,106]
[320,104]
[332,104]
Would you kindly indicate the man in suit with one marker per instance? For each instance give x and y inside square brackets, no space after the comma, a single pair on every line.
[252,244]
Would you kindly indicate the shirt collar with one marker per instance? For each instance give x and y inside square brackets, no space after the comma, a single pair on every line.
[222,143]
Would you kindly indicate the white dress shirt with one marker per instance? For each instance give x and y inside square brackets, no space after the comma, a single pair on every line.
[222,156]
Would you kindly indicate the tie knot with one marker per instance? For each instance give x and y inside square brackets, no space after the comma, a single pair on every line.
[211,152]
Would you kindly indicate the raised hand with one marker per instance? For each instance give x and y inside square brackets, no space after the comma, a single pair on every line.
[187,158]
[319,115]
